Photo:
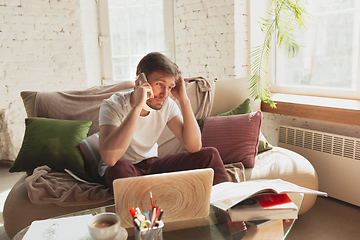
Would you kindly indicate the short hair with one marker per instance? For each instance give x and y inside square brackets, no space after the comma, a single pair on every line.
[157,62]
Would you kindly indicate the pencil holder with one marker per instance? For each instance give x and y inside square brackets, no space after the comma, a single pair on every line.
[154,233]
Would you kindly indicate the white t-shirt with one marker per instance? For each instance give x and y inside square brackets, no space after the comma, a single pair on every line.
[144,143]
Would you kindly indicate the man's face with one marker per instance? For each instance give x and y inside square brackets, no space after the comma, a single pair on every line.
[161,85]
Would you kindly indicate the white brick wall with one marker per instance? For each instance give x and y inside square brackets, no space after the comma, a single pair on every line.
[205,40]
[42,48]
[52,45]
[90,40]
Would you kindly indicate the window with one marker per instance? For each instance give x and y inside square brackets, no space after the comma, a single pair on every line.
[328,64]
[129,29]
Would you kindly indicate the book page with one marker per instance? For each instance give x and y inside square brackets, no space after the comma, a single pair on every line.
[75,176]
[61,228]
[227,194]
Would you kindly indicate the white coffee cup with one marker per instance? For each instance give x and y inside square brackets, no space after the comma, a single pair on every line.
[104,226]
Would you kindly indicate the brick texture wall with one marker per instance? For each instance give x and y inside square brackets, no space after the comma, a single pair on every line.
[41,49]
[52,45]
[209,42]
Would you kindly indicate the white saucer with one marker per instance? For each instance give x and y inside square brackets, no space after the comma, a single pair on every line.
[122,235]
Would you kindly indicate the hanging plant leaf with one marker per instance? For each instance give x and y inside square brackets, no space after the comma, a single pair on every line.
[286,16]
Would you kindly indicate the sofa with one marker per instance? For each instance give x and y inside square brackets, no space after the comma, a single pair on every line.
[211,100]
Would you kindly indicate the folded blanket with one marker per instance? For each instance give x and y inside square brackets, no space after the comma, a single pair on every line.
[236,172]
[45,186]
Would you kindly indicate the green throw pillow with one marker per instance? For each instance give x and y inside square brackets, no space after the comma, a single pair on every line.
[243,108]
[52,142]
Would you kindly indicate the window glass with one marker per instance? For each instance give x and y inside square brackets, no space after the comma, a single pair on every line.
[329,58]
[136,28]
[320,6]
[156,36]
[121,67]
[119,32]
[117,3]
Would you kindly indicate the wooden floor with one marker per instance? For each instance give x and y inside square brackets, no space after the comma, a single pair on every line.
[328,219]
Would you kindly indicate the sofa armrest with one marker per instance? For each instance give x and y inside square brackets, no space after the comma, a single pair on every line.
[19,212]
[28,98]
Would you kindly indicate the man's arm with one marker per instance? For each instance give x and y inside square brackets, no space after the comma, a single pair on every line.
[185,128]
[113,140]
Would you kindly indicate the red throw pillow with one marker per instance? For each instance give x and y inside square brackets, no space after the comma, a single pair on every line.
[236,137]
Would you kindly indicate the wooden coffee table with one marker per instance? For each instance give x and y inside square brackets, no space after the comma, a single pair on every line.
[216,226]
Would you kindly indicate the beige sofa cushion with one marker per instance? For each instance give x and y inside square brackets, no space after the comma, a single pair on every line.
[230,93]
[71,105]
[29,102]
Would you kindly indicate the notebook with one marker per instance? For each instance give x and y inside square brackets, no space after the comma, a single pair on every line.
[182,195]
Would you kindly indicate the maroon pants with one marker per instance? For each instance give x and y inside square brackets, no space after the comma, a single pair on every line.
[207,157]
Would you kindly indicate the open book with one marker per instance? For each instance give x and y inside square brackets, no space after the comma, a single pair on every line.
[74,227]
[227,194]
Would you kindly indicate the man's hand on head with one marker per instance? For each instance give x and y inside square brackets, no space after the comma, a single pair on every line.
[179,91]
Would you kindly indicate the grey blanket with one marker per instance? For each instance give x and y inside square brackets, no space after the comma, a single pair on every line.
[45,186]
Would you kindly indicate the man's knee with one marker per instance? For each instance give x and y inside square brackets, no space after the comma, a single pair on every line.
[216,163]
[211,152]
[209,156]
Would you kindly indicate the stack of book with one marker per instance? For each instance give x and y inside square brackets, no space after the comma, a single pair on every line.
[264,206]
[258,202]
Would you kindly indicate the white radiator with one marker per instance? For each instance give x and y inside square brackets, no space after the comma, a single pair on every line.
[336,159]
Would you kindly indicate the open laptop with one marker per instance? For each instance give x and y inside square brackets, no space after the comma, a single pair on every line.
[182,195]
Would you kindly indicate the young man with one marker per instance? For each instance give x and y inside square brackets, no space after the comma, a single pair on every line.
[129,133]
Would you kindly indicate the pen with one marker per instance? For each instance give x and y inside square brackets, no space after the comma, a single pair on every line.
[138,211]
[151,201]
[147,215]
[132,212]
[139,215]
[160,214]
[136,221]
[153,216]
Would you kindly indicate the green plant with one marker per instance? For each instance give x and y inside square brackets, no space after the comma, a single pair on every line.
[285,16]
